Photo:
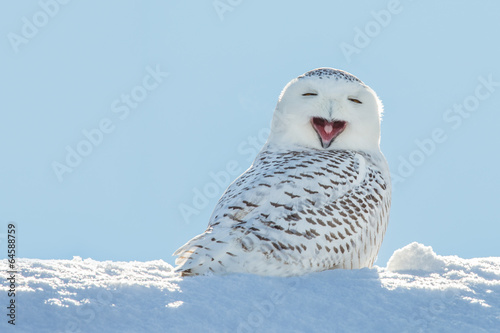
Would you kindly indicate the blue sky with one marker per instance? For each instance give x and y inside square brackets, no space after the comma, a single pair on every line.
[170,101]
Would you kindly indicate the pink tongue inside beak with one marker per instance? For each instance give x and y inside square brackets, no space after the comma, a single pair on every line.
[327,130]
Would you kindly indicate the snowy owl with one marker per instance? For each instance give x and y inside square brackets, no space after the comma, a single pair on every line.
[316,197]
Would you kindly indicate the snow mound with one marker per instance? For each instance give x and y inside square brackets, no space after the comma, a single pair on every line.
[459,295]
[416,257]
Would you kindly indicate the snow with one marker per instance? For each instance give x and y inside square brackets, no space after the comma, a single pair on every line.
[416,256]
[419,291]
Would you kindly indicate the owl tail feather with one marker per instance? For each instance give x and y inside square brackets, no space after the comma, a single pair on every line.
[234,251]
[205,254]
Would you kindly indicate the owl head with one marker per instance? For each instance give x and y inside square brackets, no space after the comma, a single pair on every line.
[327,108]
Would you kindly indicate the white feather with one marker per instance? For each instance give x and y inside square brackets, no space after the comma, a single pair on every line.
[300,207]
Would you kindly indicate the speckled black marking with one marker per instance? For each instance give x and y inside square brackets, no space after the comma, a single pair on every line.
[290,199]
[331,73]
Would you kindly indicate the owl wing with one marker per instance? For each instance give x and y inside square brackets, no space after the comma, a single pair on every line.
[301,209]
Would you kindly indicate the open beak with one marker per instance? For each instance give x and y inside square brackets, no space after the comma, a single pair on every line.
[327,130]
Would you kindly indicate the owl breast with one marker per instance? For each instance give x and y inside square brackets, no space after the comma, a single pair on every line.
[297,211]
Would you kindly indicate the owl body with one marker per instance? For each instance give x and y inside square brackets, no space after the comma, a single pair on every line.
[312,200]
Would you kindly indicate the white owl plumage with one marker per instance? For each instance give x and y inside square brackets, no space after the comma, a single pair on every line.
[318,194]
